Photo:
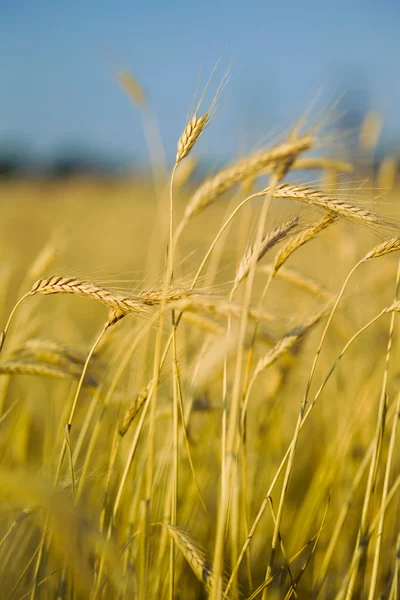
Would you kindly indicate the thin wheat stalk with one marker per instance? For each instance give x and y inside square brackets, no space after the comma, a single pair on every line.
[376,252]
[289,450]
[385,493]
[303,415]
[363,536]
[230,433]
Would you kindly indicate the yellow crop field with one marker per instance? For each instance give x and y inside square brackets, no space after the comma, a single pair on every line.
[199,383]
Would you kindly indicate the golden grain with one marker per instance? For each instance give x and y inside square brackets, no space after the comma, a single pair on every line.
[245,169]
[269,241]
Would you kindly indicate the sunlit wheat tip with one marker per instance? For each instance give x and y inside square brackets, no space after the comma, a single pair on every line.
[188,138]
[386,247]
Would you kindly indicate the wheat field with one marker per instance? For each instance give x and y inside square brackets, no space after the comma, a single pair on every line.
[199,388]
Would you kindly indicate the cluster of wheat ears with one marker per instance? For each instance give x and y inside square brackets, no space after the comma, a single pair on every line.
[200,472]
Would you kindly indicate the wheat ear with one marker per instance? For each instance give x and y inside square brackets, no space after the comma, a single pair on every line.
[302,238]
[311,196]
[268,242]
[386,247]
[244,170]
[193,554]
[190,134]
[20,367]
[79,287]
[134,408]
[221,308]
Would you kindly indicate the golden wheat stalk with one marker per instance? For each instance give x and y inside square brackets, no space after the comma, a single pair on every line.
[243,170]
[268,242]
[302,238]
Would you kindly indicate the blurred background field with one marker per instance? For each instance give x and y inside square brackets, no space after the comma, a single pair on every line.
[86,153]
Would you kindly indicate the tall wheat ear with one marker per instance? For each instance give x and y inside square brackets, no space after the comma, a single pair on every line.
[193,554]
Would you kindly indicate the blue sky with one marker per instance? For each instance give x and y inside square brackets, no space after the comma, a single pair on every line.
[58,59]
